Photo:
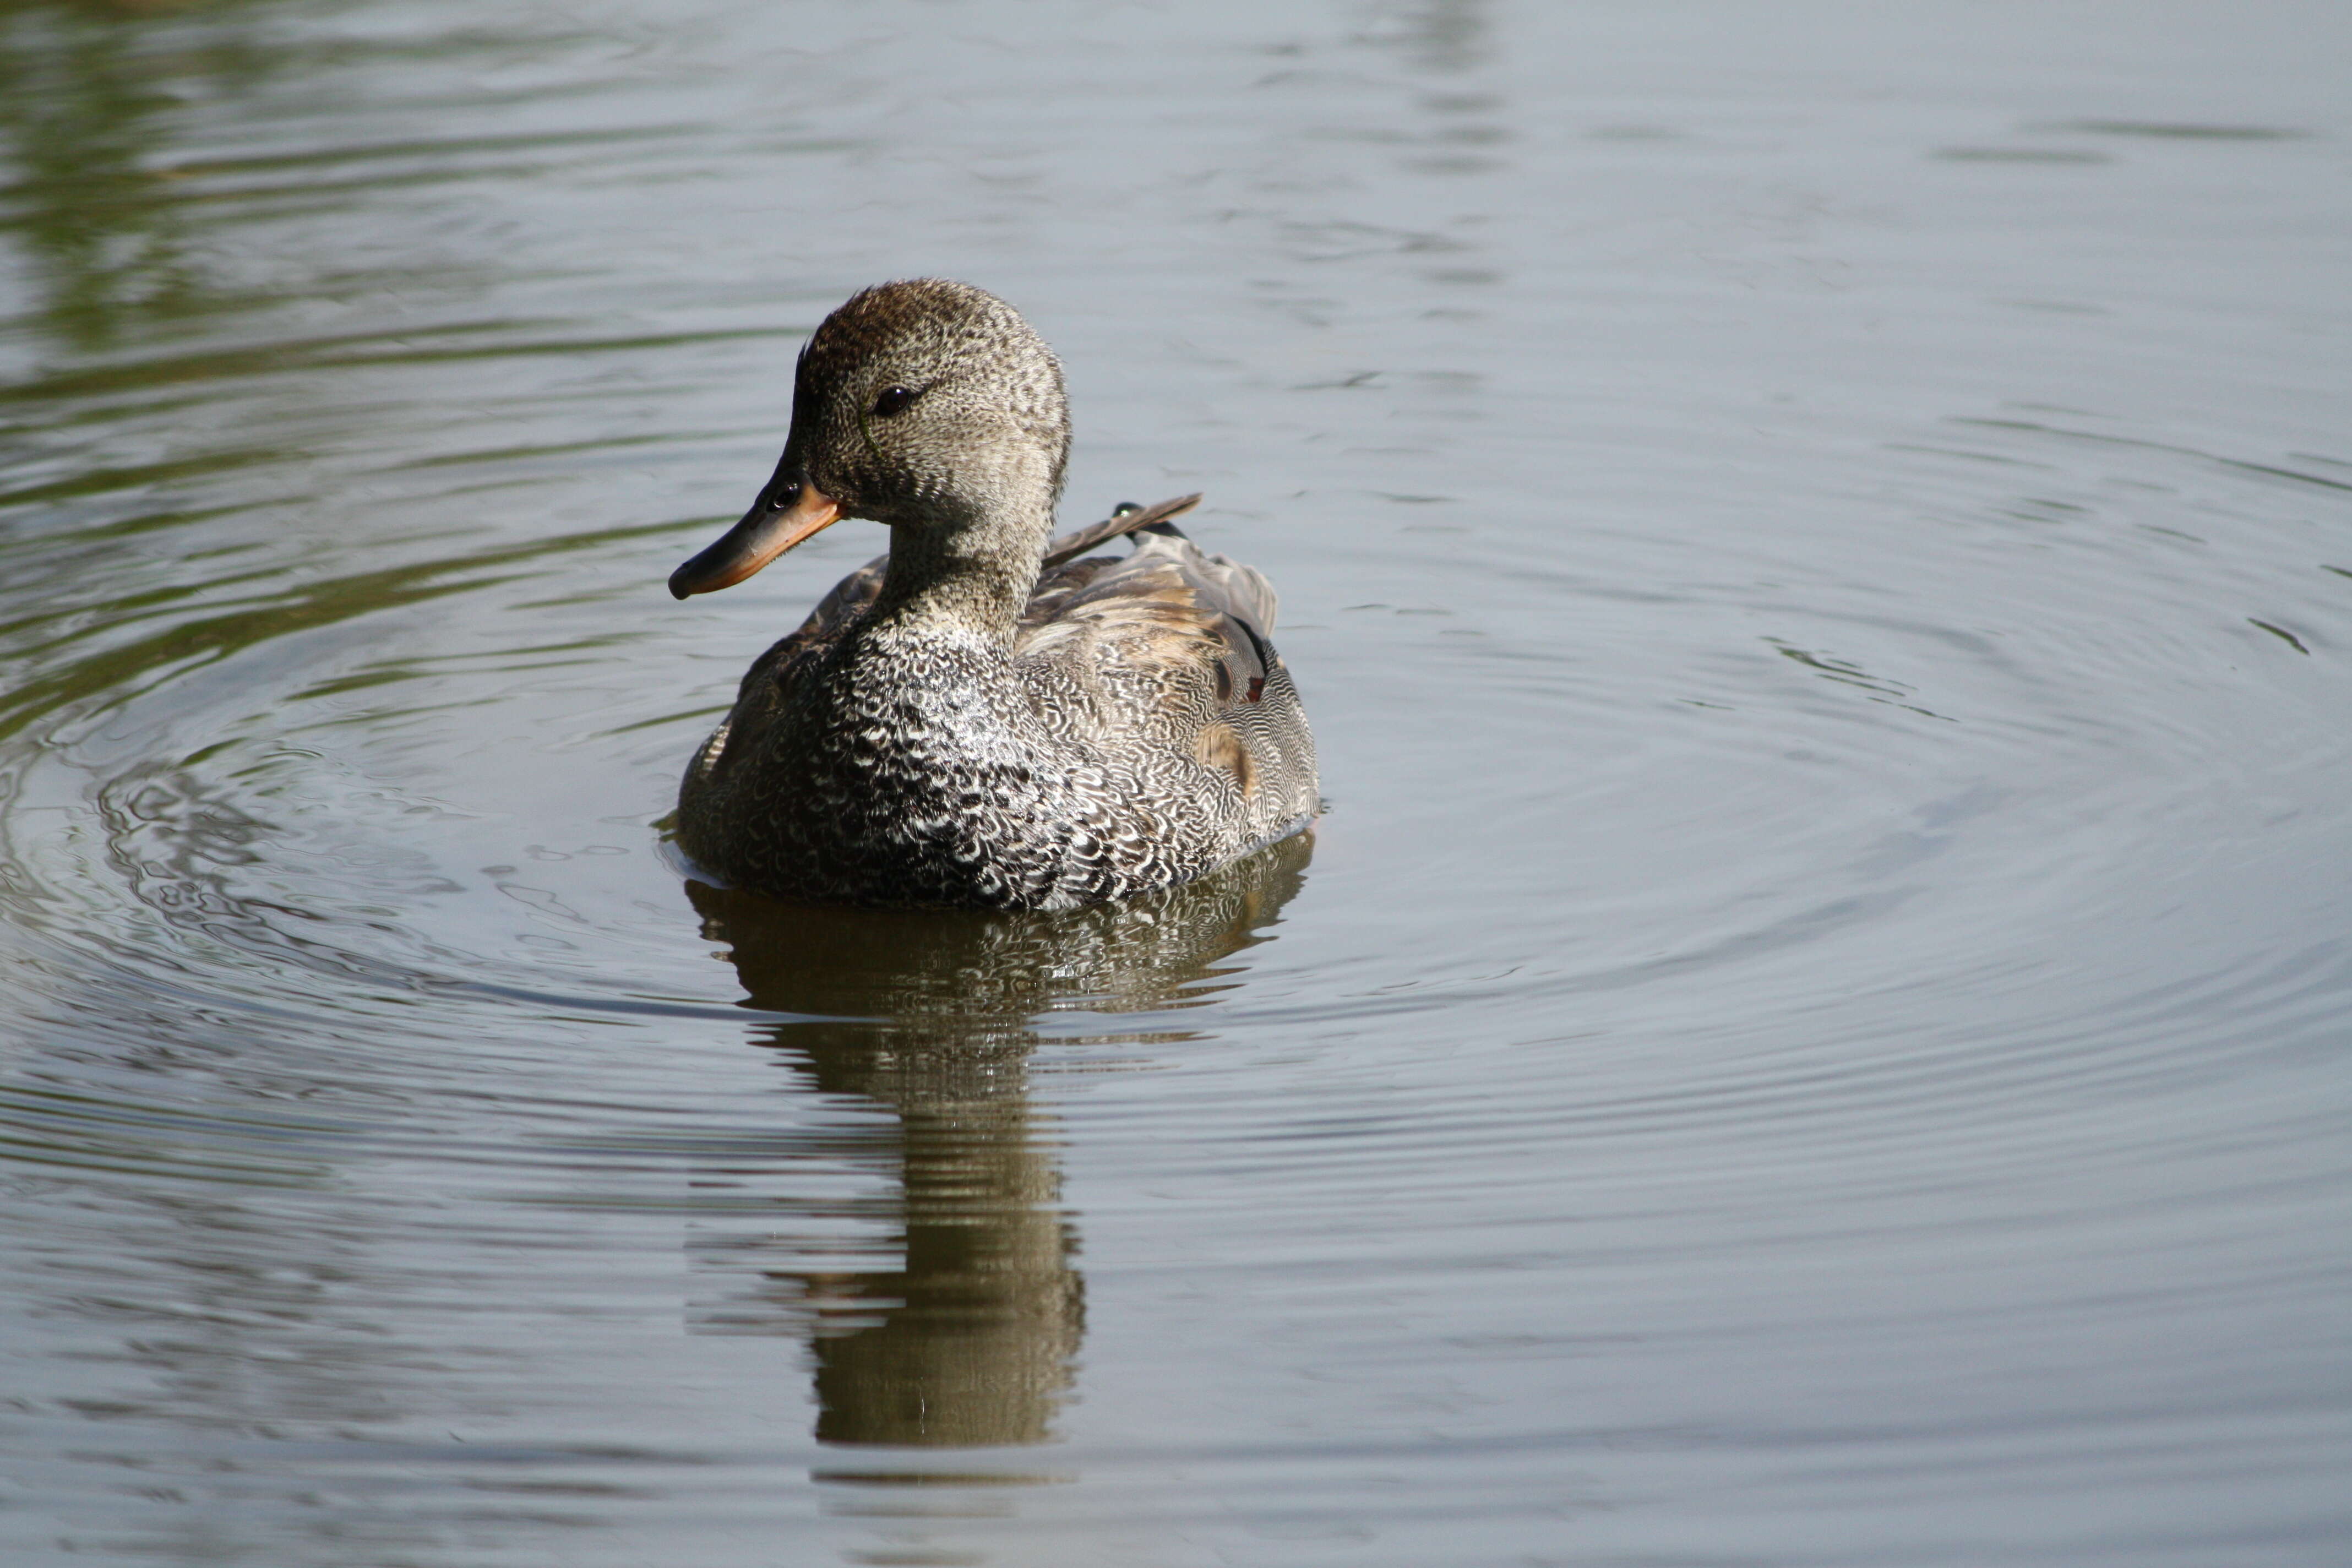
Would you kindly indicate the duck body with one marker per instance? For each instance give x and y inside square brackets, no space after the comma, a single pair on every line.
[985,717]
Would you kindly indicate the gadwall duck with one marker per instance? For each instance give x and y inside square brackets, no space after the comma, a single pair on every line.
[986,716]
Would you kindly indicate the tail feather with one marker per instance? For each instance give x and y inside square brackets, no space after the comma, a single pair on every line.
[1126,519]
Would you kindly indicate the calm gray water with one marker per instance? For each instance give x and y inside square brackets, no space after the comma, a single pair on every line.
[1818,541]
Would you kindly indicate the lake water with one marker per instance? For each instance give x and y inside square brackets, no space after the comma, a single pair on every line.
[1817,1028]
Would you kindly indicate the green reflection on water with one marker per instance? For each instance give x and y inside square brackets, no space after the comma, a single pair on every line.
[87,105]
[111,205]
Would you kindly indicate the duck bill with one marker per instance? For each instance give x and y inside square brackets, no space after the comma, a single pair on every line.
[764,533]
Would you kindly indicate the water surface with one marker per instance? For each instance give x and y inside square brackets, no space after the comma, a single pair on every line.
[1818,543]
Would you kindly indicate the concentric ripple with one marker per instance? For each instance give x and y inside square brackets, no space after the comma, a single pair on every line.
[1818,546]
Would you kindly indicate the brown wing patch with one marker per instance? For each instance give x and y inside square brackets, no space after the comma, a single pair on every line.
[1055,587]
[1146,611]
[1167,647]
[1218,746]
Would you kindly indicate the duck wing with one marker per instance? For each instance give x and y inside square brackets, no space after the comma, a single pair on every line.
[1170,645]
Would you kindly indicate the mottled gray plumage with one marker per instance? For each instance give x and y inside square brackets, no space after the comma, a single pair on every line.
[981,717]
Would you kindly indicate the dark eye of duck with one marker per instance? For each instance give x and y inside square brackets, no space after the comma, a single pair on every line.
[893,399]
[783,495]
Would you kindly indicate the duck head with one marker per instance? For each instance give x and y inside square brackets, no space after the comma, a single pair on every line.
[926,404]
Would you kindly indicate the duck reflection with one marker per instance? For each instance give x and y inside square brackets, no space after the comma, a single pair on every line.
[964,1332]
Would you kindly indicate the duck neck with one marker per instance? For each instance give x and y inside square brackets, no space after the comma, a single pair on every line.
[969,580]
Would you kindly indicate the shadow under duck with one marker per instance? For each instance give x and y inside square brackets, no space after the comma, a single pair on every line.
[987,716]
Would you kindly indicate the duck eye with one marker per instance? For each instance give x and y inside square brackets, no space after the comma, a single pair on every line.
[893,399]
